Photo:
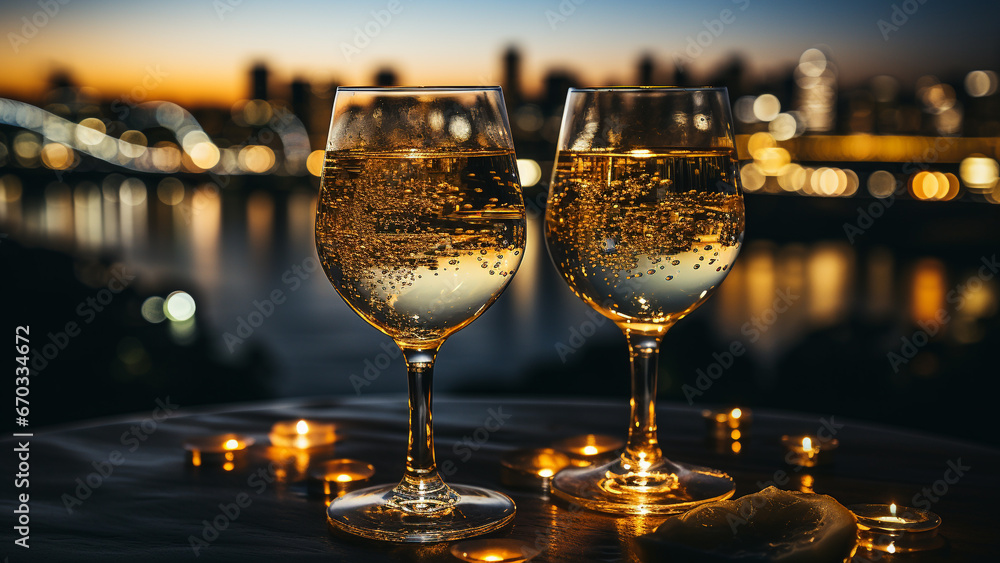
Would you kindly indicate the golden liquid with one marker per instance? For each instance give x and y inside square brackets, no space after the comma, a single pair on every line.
[644,237]
[420,244]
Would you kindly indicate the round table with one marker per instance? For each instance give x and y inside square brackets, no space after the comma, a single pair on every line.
[122,490]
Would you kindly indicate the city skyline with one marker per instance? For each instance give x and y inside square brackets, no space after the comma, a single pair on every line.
[201,50]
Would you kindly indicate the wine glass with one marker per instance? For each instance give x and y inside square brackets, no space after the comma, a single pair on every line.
[644,221]
[420,226]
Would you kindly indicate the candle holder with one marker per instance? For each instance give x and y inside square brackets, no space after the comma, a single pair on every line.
[895,529]
[532,468]
[225,450]
[809,451]
[302,434]
[589,449]
[496,550]
[338,477]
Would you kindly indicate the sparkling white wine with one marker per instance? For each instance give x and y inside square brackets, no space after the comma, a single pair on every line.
[644,237]
[420,243]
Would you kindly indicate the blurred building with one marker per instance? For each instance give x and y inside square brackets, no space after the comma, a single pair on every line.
[258,82]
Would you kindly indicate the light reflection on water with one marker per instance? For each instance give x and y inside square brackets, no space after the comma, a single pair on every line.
[237,248]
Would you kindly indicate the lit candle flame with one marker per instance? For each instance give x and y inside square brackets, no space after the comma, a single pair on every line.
[231,444]
[590,450]
[545,472]
[343,478]
[807,444]
[892,509]
[302,427]
[891,548]
[736,413]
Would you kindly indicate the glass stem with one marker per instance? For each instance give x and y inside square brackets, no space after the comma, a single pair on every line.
[643,448]
[422,489]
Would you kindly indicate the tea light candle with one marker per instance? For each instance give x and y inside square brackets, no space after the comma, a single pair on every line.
[338,476]
[302,434]
[896,529]
[217,451]
[808,451]
[532,468]
[498,550]
[589,448]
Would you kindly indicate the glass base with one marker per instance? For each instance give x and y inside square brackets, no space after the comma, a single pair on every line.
[371,513]
[665,488]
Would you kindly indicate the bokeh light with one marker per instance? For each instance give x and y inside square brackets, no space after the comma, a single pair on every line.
[132,192]
[743,109]
[257,112]
[152,310]
[170,191]
[783,127]
[10,188]
[256,158]
[772,159]
[751,177]
[90,131]
[792,177]
[979,172]
[166,157]
[179,306]
[812,62]
[57,156]
[980,83]
[766,107]
[529,171]
[204,154]
[132,143]
[314,162]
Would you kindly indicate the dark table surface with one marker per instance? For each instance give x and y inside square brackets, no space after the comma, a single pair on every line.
[151,504]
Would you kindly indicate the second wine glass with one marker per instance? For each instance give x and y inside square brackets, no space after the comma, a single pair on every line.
[644,220]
